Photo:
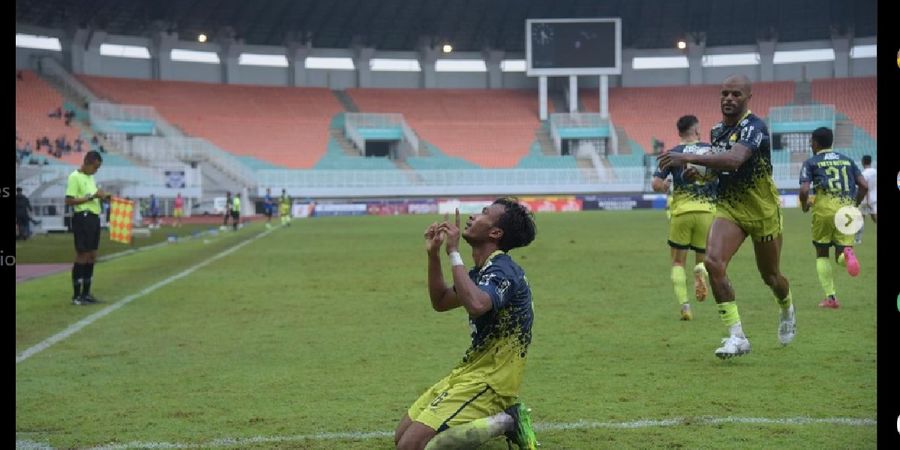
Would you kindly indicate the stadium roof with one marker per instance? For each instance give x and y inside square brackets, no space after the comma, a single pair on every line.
[470,25]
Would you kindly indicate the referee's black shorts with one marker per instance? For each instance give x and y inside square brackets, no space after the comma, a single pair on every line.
[86,227]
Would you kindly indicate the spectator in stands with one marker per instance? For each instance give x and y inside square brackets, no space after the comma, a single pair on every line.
[870,204]
[19,75]
[68,116]
[78,143]
[94,141]
[23,215]
[56,113]
[84,196]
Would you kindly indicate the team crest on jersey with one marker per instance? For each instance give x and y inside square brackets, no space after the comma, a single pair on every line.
[486,279]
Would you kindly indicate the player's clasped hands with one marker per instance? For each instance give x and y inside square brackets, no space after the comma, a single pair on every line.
[449,232]
[433,239]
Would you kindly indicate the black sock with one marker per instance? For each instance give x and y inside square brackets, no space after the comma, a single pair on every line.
[88,273]
[76,279]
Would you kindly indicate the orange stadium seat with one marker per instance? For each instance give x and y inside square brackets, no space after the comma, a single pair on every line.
[282,125]
[491,128]
[855,97]
[651,112]
[34,100]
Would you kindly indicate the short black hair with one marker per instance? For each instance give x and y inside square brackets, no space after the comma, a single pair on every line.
[517,224]
[823,136]
[92,156]
[686,122]
[867,160]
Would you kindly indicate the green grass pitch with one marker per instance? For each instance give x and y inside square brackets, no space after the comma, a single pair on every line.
[320,336]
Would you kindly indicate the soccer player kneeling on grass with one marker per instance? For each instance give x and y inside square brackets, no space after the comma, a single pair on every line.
[838,183]
[477,401]
[84,197]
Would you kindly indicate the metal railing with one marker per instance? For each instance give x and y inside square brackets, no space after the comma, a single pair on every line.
[113,111]
[125,181]
[54,69]
[367,183]
[354,121]
[803,113]
[151,148]
[582,120]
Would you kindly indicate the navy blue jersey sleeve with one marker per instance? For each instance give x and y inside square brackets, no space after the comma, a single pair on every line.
[496,283]
[751,136]
[662,173]
[855,172]
[807,171]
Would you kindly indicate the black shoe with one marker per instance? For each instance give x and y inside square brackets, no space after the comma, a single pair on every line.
[88,299]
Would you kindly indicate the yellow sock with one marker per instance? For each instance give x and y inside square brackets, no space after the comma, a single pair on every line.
[785,302]
[728,312]
[678,280]
[840,259]
[823,267]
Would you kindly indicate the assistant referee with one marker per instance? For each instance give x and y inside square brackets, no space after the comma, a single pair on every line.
[84,197]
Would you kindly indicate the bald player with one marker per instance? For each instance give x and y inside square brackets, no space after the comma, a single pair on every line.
[747,205]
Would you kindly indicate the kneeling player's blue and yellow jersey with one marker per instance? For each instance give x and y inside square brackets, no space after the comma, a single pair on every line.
[500,337]
[833,179]
[747,196]
[488,379]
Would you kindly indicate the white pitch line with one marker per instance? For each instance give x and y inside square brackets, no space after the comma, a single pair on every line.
[580,425]
[74,328]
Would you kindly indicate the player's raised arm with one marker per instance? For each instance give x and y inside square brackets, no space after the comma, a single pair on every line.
[476,301]
[442,296]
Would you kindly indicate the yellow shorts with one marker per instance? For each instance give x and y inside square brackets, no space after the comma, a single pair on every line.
[178,212]
[689,230]
[453,402]
[759,230]
[825,234]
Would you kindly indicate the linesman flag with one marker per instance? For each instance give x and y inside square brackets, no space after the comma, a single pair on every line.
[121,212]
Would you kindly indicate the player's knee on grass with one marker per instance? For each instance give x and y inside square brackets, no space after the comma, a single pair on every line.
[416,437]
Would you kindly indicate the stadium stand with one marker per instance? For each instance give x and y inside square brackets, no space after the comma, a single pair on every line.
[281,126]
[35,99]
[650,112]
[855,97]
[490,128]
